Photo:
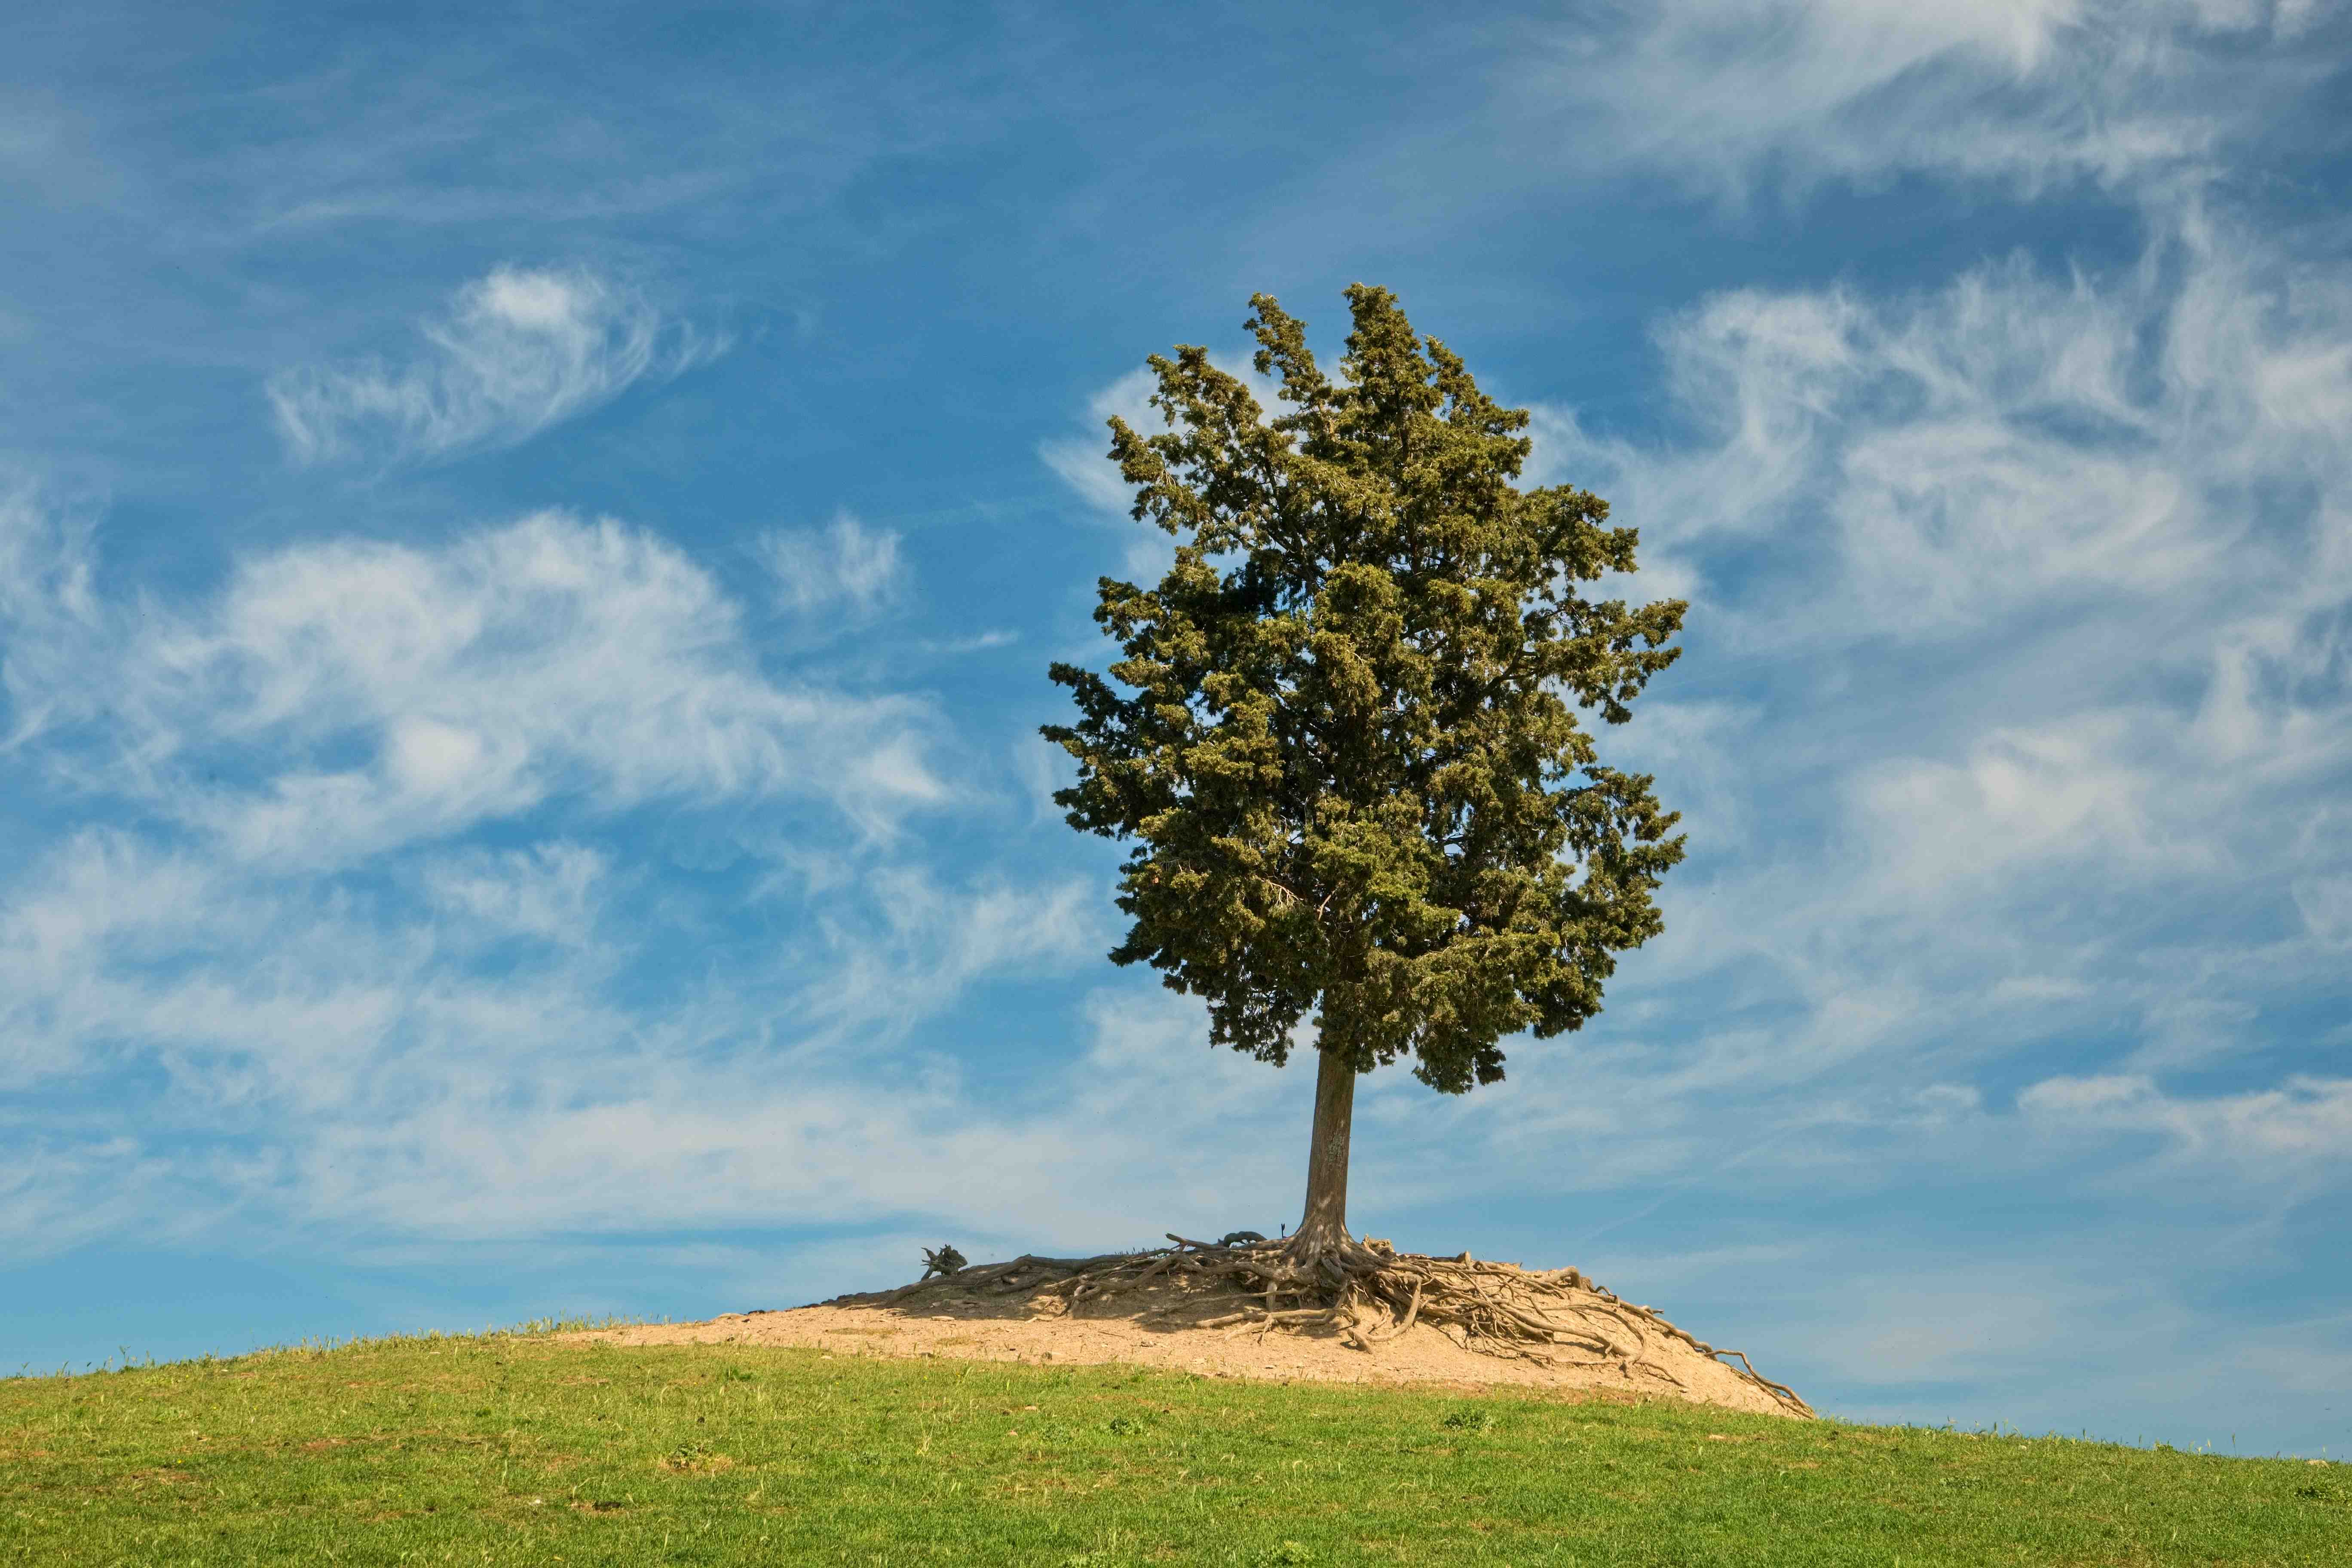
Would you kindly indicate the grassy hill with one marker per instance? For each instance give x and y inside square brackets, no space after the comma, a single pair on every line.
[523,1448]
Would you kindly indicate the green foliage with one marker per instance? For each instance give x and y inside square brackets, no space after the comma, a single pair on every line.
[508,1450]
[1350,763]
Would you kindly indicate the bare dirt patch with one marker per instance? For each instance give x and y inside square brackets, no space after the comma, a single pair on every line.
[1196,1320]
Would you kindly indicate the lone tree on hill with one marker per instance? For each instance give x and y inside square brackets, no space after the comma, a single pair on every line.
[1351,766]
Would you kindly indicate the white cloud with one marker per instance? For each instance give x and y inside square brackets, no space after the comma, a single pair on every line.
[2120,560]
[45,551]
[517,350]
[2062,793]
[353,916]
[2041,585]
[57,1193]
[2284,1130]
[1083,462]
[844,564]
[2006,442]
[1717,93]
[549,891]
[2326,905]
[48,609]
[2184,1032]
[334,1057]
[911,943]
[379,694]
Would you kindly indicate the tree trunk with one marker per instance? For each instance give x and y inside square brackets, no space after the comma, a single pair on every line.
[1325,1225]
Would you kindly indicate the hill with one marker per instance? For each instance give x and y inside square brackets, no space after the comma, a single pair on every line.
[534,1448]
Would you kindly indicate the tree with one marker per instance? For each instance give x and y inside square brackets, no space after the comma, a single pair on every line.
[1347,754]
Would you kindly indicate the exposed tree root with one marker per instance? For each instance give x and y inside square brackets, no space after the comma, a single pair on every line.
[1367,1293]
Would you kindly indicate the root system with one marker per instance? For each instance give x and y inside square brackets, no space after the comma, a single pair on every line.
[1366,1293]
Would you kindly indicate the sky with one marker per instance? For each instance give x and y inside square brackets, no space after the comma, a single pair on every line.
[530,539]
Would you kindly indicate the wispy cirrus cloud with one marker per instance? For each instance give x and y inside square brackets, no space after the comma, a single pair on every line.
[1720,93]
[2292,1130]
[843,563]
[516,352]
[346,874]
[1082,462]
[342,697]
[2040,581]
[552,891]
[48,609]
[470,1057]
[1966,453]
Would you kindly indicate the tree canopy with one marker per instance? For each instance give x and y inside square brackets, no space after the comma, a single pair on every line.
[1344,741]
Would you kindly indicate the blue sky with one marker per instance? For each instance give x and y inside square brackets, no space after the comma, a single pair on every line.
[529,552]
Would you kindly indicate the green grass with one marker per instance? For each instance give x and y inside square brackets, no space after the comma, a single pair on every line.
[516,1448]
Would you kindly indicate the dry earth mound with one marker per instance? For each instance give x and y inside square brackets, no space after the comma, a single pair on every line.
[1237,1312]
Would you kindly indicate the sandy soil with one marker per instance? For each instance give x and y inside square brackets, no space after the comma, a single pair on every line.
[1159,1327]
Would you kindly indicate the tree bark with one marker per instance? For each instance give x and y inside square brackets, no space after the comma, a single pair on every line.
[1324,1224]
